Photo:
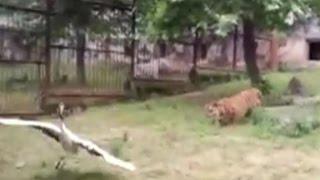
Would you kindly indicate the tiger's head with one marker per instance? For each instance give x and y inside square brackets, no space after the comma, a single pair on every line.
[213,111]
[258,95]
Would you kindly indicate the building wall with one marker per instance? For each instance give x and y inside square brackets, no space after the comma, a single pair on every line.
[295,49]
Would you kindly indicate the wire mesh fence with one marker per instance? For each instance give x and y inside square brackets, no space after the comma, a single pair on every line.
[98,60]
[228,53]
[101,67]
[38,59]
[21,59]
[163,60]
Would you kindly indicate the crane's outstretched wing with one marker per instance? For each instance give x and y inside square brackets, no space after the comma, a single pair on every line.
[96,150]
[48,129]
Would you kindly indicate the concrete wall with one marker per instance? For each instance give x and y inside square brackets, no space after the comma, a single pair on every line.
[295,49]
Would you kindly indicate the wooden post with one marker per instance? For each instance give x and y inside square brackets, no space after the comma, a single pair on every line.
[235,47]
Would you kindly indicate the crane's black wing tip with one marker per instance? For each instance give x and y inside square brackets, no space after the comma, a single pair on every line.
[49,133]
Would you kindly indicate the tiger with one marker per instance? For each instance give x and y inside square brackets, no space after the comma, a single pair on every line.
[232,109]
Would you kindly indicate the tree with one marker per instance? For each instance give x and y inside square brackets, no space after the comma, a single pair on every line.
[170,17]
[257,15]
[79,19]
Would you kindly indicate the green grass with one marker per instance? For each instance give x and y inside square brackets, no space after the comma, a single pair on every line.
[168,133]
[186,112]
[280,81]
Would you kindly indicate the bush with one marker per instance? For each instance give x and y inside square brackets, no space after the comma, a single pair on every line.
[298,127]
[290,127]
[265,87]
[277,99]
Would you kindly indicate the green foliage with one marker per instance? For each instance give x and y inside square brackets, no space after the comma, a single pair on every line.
[299,127]
[268,124]
[315,6]
[72,15]
[173,17]
[277,99]
[265,87]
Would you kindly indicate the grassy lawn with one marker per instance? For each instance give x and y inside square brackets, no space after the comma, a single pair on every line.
[170,138]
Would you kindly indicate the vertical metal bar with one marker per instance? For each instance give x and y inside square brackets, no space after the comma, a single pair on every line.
[47,83]
[193,74]
[133,43]
[48,42]
[235,47]
[196,44]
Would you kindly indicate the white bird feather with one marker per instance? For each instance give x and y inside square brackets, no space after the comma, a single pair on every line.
[55,132]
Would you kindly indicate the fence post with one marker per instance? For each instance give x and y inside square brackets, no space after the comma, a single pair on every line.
[196,47]
[47,79]
[235,47]
[193,76]
[129,86]
[133,43]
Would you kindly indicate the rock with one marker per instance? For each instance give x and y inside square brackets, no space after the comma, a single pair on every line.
[295,87]
[306,101]
[20,165]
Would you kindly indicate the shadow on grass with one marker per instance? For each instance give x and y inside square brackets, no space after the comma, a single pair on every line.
[74,175]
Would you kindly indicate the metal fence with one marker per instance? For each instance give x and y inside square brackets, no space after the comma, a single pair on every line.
[21,59]
[228,54]
[163,60]
[101,67]
[104,70]
[88,63]
[36,64]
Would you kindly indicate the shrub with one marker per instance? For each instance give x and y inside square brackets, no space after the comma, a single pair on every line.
[277,99]
[290,127]
[265,87]
[298,127]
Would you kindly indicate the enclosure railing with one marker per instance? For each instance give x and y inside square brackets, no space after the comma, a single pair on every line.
[35,65]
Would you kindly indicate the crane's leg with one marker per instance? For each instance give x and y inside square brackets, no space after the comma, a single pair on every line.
[61,163]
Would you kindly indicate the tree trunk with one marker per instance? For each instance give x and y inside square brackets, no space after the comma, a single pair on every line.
[224,53]
[127,47]
[274,47]
[235,47]
[81,44]
[162,48]
[250,46]
[107,44]
[204,51]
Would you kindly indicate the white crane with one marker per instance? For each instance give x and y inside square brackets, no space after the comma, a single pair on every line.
[69,141]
